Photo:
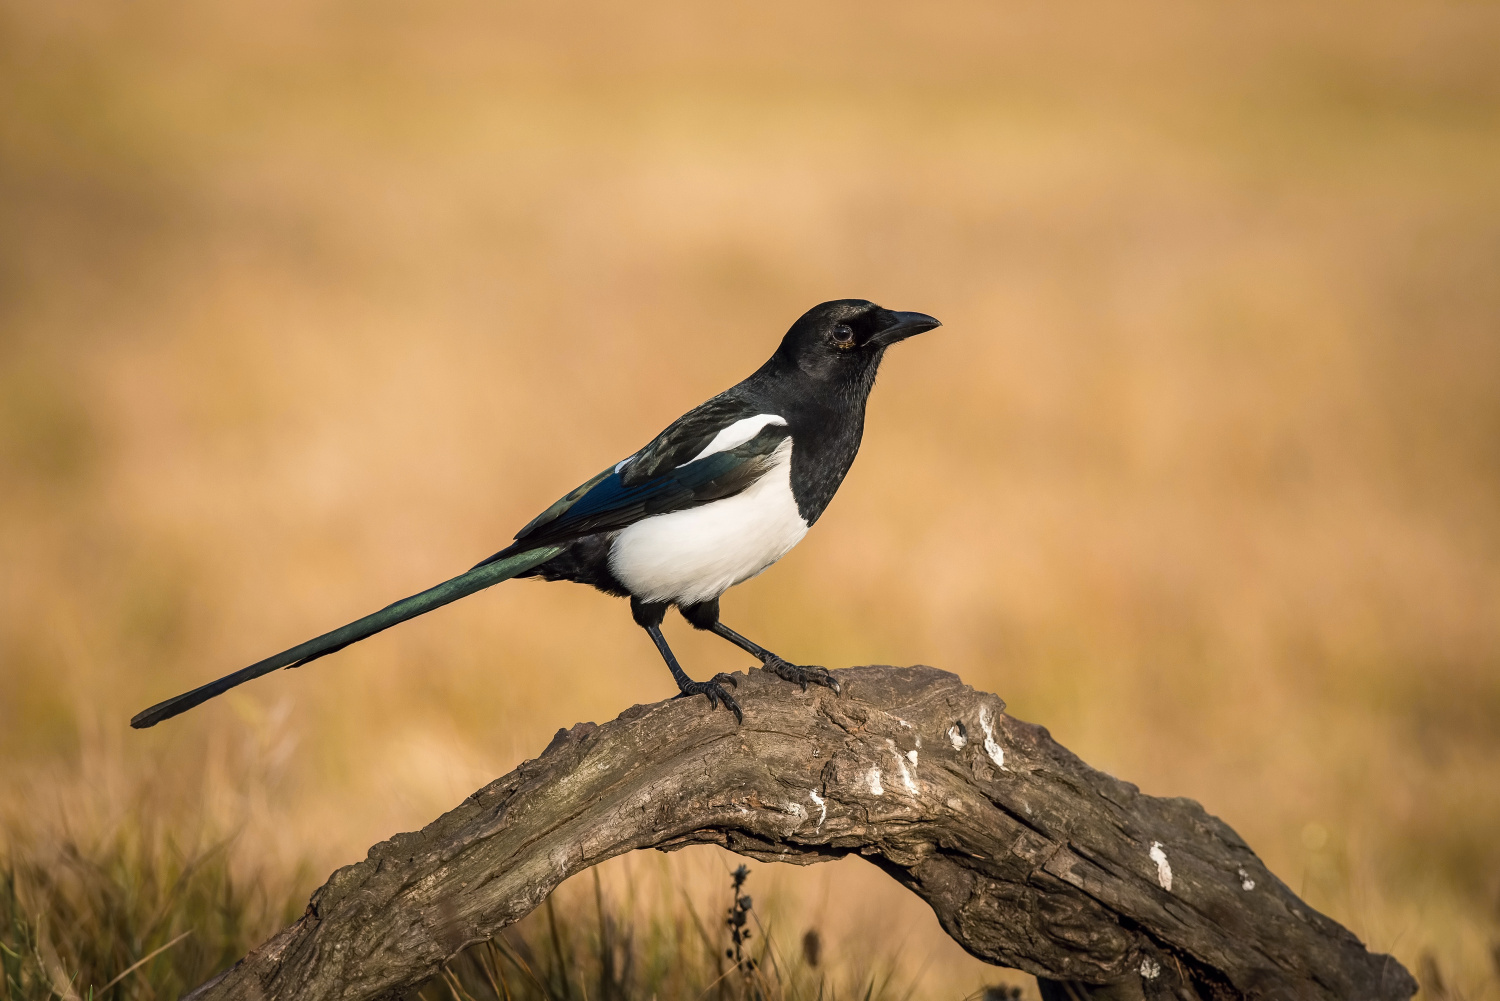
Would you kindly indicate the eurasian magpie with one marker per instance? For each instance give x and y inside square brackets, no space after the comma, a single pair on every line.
[725,491]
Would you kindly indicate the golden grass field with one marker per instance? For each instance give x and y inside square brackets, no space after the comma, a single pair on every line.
[306,306]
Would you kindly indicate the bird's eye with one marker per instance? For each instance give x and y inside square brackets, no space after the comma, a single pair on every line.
[843,335]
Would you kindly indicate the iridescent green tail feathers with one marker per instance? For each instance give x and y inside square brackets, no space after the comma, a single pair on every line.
[464,584]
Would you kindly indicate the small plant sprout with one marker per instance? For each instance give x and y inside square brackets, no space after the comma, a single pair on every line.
[738,921]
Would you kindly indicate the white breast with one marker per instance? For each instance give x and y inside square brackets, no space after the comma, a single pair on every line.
[694,555]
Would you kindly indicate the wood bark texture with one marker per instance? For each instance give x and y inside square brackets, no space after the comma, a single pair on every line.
[1030,858]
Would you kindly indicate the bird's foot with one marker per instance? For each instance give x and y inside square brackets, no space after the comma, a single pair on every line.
[798,674]
[714,691]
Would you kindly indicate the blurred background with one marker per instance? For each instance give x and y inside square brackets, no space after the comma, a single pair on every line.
[307,306]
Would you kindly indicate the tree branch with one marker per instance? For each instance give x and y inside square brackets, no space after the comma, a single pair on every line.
[1029,857]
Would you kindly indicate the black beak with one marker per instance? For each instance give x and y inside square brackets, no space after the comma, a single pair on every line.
[902,326]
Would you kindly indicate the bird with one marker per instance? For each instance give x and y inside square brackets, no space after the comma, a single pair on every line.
[719,496]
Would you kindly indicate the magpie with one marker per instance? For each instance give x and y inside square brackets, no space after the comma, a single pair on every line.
[720,495]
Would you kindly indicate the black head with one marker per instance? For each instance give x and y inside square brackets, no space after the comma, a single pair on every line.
[842,341]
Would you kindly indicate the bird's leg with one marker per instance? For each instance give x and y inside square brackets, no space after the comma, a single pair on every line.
[800,674]
[705,615]
[648,616]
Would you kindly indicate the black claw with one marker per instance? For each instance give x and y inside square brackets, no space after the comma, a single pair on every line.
[801,675]
[714,692]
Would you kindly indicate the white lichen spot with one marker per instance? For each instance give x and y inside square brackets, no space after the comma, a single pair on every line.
[1150,968]
[821,804]
[1163,867]
[904,723]
[906,779]
[957,737]
[994,750]
[1246,883]
[872,777]
[912,757]
[795,810]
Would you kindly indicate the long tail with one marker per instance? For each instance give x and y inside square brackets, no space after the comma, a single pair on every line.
[408,608]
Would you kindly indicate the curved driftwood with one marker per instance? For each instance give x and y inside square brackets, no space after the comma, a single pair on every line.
[1029,857]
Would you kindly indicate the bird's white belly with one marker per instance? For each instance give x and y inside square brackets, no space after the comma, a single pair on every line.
[698,554]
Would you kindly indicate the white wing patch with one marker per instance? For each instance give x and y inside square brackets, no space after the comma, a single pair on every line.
[738,433]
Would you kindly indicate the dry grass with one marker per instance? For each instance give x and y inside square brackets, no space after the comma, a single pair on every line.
[130,915]
[612,950]
[305,306]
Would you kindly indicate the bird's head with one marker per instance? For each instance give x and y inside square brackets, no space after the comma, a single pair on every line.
[842,341]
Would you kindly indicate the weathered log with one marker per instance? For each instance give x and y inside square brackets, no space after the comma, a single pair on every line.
[1030,858]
